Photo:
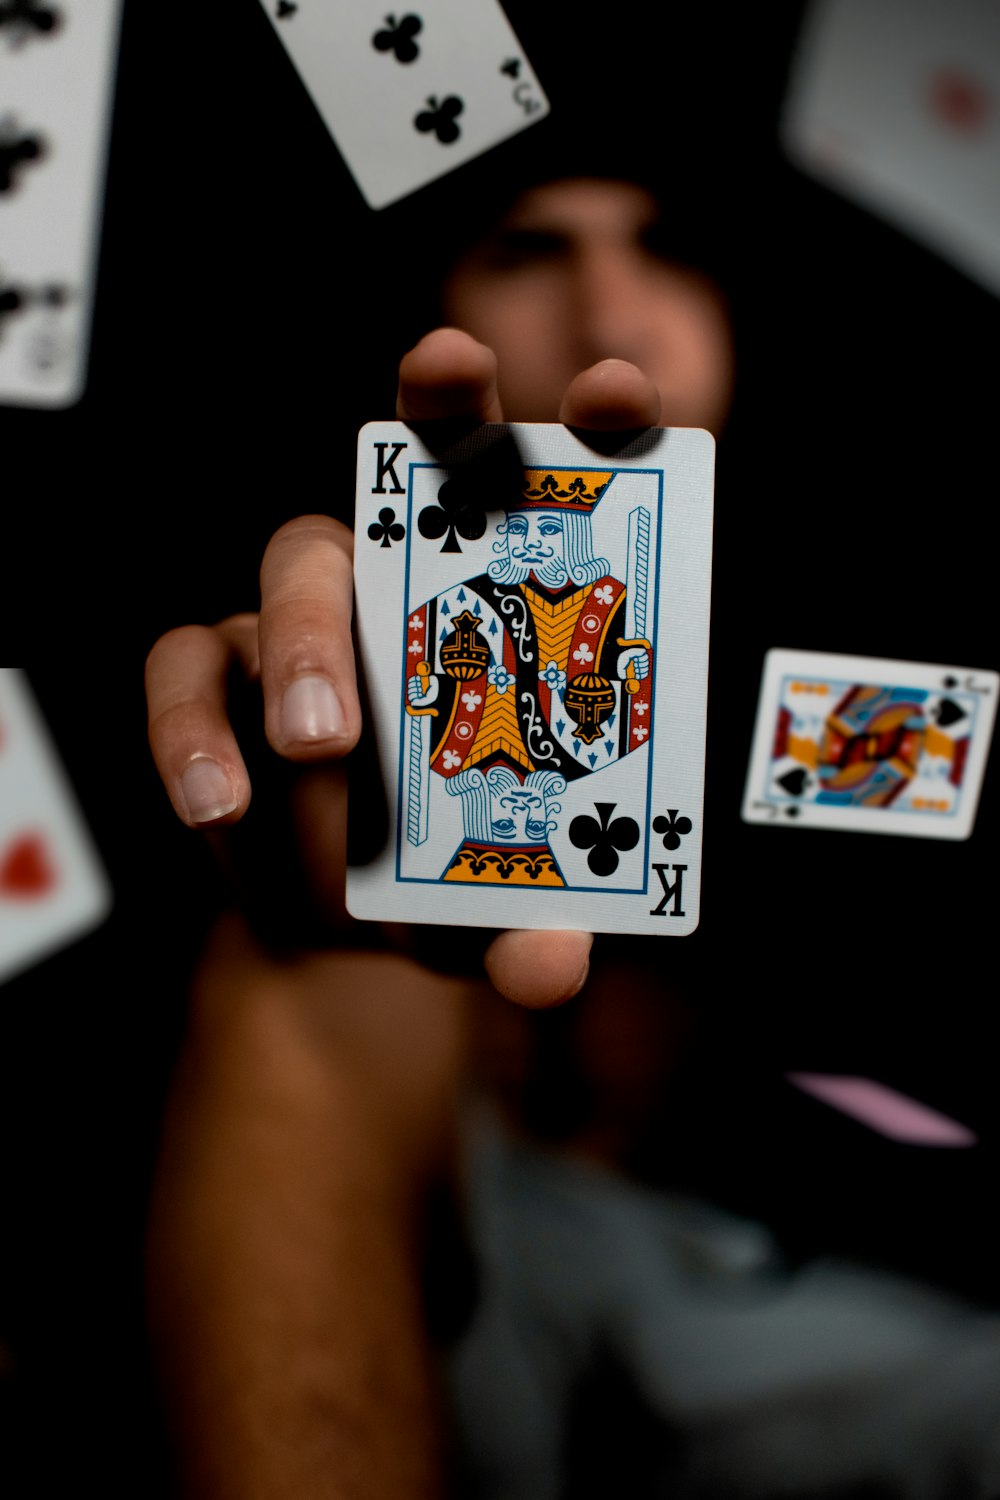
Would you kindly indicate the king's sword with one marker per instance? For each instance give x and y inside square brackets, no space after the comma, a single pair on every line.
[636,590]
[417,764]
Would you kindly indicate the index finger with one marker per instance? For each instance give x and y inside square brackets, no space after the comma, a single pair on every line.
[311,708]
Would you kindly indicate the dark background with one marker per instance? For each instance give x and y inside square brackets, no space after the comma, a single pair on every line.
[250,312]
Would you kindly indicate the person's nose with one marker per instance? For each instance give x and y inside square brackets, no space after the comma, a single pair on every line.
[610,304]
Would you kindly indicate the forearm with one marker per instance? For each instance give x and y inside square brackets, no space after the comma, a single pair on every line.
[284,1254]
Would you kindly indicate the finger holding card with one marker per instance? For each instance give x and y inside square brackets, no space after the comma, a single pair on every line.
[447,377]
[300,645]
[190,735]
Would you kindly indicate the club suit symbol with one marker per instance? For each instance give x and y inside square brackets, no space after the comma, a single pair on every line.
[672,827]
[440,118]
[21,19]
[398,38]
[456,514]
[16,152]
[17,299]
[604,839]
[386,529]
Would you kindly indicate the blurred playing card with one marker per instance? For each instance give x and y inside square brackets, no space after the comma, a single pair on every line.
[53,888]
[410,96]
[870,745]
[57,68]
[896,103]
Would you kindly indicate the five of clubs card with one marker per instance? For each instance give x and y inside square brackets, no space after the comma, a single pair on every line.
[536,657]
[408,96]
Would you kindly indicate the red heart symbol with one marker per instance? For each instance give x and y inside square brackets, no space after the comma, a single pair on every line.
[26,869]
[960,101]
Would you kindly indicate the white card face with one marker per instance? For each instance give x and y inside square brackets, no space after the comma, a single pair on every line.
[53,887]
[57,68]
[876,746]
[410,96]
[538,678]
[896,103]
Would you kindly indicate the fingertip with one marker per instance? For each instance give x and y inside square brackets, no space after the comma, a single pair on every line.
[538,970]
[611,396]
[448,373]
[441,348]
[307,665]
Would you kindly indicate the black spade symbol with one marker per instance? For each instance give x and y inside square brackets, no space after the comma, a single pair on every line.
[948,712]
[795,782]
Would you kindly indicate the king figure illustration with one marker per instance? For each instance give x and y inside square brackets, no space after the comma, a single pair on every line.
[530,676]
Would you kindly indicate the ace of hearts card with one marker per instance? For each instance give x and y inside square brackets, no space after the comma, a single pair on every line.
[535,649]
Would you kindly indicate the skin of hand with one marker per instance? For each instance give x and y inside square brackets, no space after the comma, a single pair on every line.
[311,1114]
[300,648]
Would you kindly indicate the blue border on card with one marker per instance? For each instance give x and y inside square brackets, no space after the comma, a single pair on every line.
[402,879]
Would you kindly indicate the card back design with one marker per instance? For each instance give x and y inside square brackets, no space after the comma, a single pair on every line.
[868,744]
[539,672]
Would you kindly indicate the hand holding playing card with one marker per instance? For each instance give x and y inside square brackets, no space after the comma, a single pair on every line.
[300,645]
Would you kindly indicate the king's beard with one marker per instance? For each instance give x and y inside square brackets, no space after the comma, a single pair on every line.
[552,574]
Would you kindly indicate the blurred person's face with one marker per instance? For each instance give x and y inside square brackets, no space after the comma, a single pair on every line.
[567,279]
